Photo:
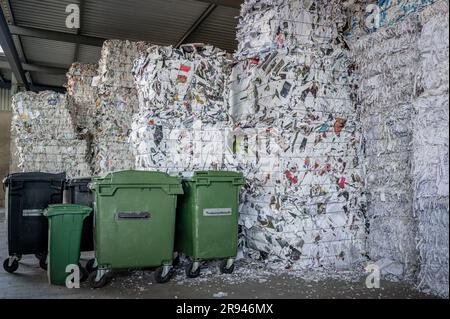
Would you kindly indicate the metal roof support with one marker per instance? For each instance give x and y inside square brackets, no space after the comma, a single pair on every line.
[76,52]
[56,36]
[226,3]
[10,50]
[196,24]
[33,67]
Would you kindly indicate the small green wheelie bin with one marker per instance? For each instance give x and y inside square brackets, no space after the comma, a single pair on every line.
[207,219]
[64,239]
[134,223]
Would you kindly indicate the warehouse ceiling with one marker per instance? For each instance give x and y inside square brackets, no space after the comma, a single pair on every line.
[45,48]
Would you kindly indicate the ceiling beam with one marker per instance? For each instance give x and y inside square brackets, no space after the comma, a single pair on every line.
[76,52]
[11,54]
[226,3]
[196,24]
[35,87]
[56,36]
[4,64]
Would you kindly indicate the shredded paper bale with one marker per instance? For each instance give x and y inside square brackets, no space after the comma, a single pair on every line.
[387,62]
[117,103]
[81,96]
[431,151]
[182,120]
[297,136]
[45,136]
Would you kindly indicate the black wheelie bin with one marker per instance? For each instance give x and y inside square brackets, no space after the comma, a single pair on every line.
[27,197]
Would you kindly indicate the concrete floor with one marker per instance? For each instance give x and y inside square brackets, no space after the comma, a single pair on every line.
[31,282]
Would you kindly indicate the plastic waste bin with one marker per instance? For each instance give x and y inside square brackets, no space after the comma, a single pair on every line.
[80,194]
[134,224]
[207,219]
[65,230]
[27,196]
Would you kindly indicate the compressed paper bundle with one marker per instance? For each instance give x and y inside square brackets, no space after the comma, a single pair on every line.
[297,136]
[182,121]
[117,103]
[266,25]
[394,11]
[45,138]
[81,96]
[387,63]
[431,151]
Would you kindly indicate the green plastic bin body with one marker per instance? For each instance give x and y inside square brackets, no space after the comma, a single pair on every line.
[135,219]
[208,213]
[65,229]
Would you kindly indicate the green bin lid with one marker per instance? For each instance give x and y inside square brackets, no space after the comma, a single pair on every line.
[62,209]
[215,176]
[137,178]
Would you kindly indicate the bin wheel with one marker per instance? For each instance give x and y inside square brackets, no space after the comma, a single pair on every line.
[224,269]
[98,283]
[39,256]
[90,266]
[160,278]
[84,275]
[176,261]
[13,268]
[189,271]
[43,262]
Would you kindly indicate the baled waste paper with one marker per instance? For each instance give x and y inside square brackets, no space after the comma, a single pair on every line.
[117,102]
[182,122]
[297,135]
[45,136]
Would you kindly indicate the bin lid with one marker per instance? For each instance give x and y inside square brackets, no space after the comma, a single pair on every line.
[138,178]
[34,177]
[215,176]
[172,185]
[65,209]
[79,181]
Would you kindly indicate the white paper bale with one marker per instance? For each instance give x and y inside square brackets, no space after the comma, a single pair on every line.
[45,136]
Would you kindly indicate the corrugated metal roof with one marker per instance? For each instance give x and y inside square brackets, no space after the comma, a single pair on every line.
[162,22]
[89,54]
[157,21]
[218,29]
[48,52]
[43,14]
[48,79]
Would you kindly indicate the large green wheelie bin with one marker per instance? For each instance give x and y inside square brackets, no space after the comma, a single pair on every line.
[64,238]
[207,219]
[134,223]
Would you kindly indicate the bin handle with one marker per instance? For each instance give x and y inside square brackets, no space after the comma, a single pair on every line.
[4,183]
[133,215]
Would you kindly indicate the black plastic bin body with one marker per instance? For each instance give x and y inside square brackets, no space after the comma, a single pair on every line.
[80,194]
[27,196]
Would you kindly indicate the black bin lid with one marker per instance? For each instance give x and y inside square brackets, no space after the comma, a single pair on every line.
[34,177]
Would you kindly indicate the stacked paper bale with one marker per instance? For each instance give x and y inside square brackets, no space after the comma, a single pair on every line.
[297,137]
[431,151]
[117,103]
[45,138]
[81,96]
[182,120]
[387,62]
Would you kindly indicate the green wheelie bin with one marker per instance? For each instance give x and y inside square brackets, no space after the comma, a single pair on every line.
[207,219]
[64,239]
[134,223]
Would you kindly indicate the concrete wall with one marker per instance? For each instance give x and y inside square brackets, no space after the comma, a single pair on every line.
[5,139]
